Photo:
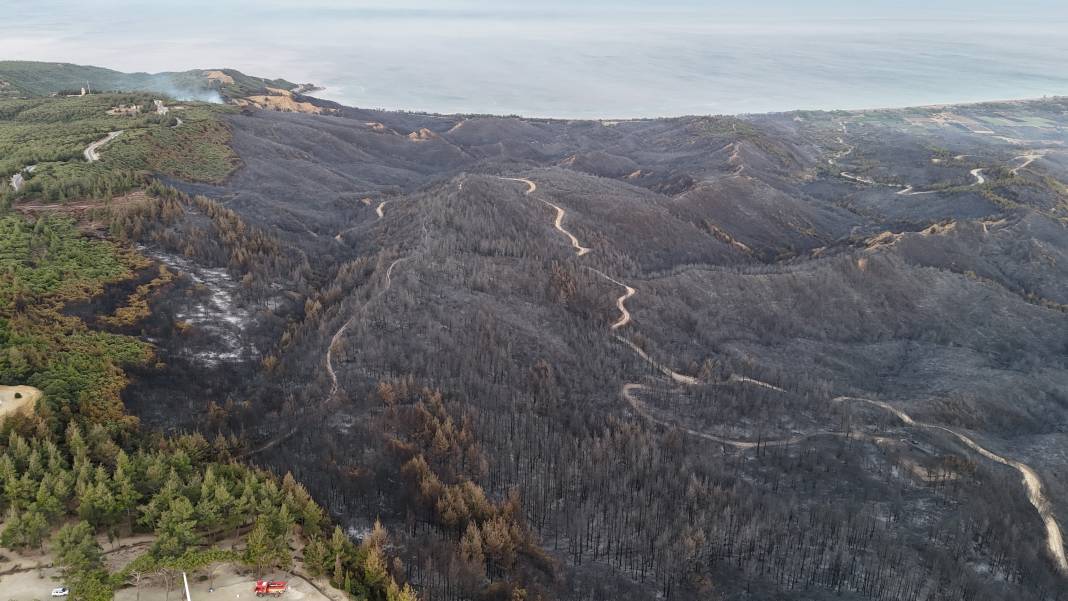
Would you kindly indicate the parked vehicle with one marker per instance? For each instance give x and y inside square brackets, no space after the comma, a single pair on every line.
[61,591]
[273,587]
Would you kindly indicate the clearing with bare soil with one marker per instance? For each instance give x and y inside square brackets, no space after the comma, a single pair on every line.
[14,399]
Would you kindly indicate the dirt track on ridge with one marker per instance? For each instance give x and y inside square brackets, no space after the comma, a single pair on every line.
[559,221]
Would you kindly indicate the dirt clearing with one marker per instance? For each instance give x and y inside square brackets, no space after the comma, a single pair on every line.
[229,586]
[17,398]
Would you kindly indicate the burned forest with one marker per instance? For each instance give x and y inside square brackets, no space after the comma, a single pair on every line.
[818,355]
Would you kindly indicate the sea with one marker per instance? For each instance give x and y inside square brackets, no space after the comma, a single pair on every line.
[601,59]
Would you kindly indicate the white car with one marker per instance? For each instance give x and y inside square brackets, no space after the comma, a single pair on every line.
[60,592]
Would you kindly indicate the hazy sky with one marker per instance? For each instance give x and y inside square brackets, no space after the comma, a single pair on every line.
[592,58]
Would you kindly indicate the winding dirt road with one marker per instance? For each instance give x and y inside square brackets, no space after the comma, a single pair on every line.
[1033,484]
[531,186]
[389,271]
[335,340]
[667,371]
[1028,158]
[754,382]
[1031,481]
[271,443]
[640,409]
[976,173]
[624,315]
[1038,499]
[907,191]
[842,154]
[559,221]
[901,415]
[335,386]
[90,152]
[859,178]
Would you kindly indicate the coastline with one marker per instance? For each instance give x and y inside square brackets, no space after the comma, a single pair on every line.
[314,90]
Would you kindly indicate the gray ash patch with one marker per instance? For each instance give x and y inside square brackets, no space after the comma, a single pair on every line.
[216,320]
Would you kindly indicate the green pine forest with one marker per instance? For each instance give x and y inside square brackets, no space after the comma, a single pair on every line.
[51,134]
[79,469]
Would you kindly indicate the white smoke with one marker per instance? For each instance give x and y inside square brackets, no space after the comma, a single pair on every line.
[196,95]
[165,84]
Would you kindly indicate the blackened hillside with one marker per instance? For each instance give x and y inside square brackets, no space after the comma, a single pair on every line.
[668,352]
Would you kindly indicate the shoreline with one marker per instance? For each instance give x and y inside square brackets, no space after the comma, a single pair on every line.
[316,88]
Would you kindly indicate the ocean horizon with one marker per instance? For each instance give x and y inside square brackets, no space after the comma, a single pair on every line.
[580,63]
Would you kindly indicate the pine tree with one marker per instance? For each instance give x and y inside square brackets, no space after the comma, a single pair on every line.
[176,531]
[126,494]
[8,477]
[338,545]
[406,594]
[20,491]
[83,478]
[498,542]
[208,514]
[374,568]
[74,547]
[224,504]
[471,551]
[208,482]
[258,546]
[244,507]
[98,506]
[282,531]
[159,503]
[46,502]
[35,465]
[316,557]
[11,538]
[56,462]
[312,518]
[377,538]
[34,529]
[155,474]
[76,443]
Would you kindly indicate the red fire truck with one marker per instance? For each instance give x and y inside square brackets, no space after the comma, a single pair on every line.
[270,587]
